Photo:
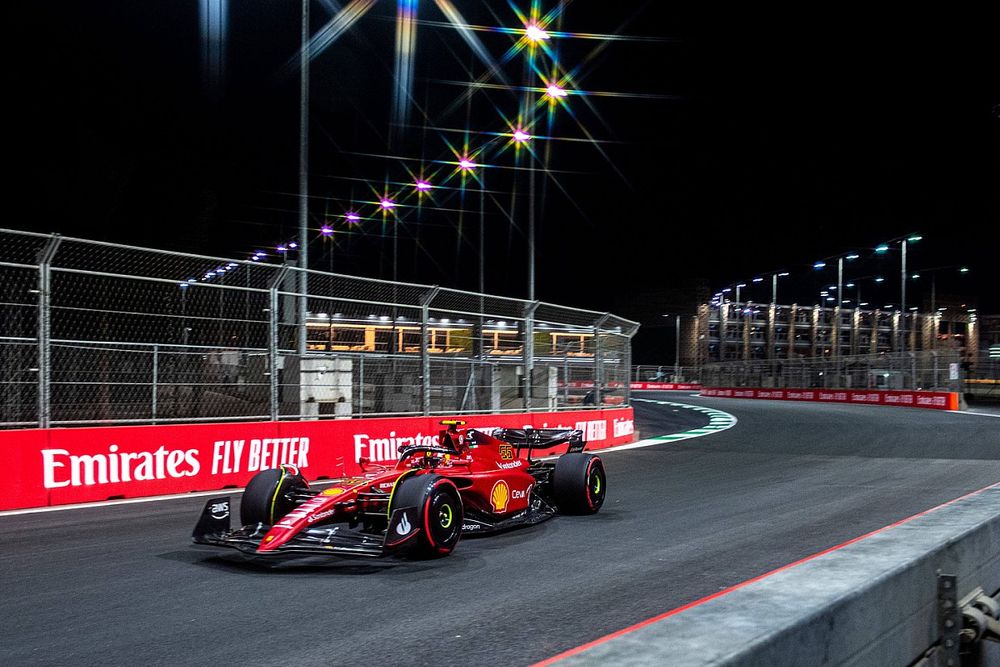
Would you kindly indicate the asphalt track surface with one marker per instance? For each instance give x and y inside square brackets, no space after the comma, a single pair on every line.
[120,585]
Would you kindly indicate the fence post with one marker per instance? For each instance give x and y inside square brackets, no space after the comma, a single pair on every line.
[272,340]
[156,365]
[628,373]
[529,353]
[45,258]
[598,358]
[934,357]
[425,353]
[361,385]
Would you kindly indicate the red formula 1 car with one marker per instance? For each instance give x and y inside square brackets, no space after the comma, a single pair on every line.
[468,482]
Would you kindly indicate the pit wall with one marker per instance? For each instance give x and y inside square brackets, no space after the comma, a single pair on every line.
[935,400]
[76,465]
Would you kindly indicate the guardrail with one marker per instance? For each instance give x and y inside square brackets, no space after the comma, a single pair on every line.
[892,597]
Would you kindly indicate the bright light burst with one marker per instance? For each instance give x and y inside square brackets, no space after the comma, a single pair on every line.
[422,186]
[326,230]
[465,164]
[520,136]
[352,217]
[535,33]
[386,204]
[554,91]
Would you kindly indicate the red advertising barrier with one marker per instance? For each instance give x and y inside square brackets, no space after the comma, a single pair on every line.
[75,465]
[665,386]
[936,400]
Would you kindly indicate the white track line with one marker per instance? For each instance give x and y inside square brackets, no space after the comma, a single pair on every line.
[718,421]
[975,414]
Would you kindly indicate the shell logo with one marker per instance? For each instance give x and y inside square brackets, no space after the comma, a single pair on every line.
[333,491]
[500,496]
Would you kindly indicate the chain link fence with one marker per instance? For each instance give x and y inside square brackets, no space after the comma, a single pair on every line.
[928,370]
[668,373]
[100,333]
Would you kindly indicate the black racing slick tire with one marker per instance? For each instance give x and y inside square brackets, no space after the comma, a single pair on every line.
[579,483]
[439,513]
[264,499]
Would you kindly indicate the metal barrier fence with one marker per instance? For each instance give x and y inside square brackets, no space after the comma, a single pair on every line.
[930,370]
[94,332]
[668,373]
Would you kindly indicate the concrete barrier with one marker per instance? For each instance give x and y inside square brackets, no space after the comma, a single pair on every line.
[871,601]
[934,400]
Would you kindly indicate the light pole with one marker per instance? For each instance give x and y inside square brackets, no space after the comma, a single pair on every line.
[774,286]
[677,349]
[677,346]
[903,242]
[933,271]
[303,180]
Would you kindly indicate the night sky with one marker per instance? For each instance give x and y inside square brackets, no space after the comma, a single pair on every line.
[746,142]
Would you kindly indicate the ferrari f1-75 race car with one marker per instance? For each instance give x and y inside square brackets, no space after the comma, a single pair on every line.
[469,482]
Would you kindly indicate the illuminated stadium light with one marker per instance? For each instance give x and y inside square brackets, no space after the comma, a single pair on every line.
[964,269]
[352,217]
[849,285]
[326,230]
[423,186]
[465,164]
[742,285]
[387,204]
[819,265]
[882,248]
[535,33]
[853,255]
[915,276]
[281,248]
[880,279]
[914,238]
[758,280]
[293,245]
[520,136]
[555,92]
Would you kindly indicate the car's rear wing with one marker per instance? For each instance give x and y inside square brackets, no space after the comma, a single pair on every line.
[542,438]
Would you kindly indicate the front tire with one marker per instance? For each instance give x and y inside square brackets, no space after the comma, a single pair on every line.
[579,483]
[264,499]
[439,513]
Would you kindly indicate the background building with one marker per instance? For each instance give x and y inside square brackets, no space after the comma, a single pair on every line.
[750,331]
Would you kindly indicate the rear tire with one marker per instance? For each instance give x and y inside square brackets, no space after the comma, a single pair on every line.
[264,498]
[579,483]
[439,513]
